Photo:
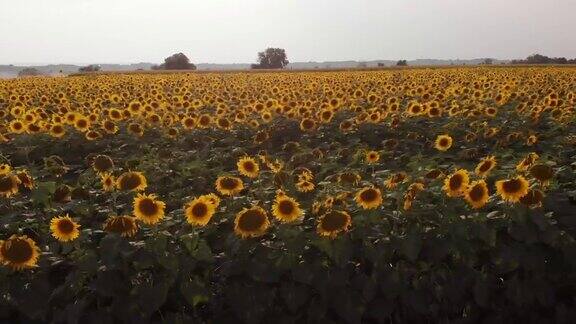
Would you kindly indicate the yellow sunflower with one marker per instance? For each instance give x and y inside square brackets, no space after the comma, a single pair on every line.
[512,189]
[371,157]
[369,198]
[333,223]
[131,181]
[199,211]
[251,222]
[4,169]
[305,186]
[229,186]
[19,252]
[8,185]
[248,167]
[477,194]
[286,209]
[443,142]
[485,166]
[148,209]
[64,229]
[126,226]
[456,184]
[108,181]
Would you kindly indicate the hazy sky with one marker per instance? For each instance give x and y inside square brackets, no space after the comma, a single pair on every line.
[233,31]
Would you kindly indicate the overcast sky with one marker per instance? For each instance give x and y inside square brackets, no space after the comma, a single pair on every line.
[233,31]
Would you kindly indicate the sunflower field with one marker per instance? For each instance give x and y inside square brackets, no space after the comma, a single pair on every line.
[412,195]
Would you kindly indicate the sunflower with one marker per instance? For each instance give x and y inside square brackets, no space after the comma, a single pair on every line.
[542,173]
[102,164]
[19,252]
[108,181]
[286,209]
[124,225]
[527,162]
[148,209]
[135,129]
[477,194]
[131,181]
[512,189]
[57,130]
[248,167]
[456,184]
[443,142]
[4,169]
[485,166]
[64,229]
[26,179]
[349,177]
[307,124]
[251,222]
[395,179]
[229,186]
[199,211]
[8,185]
[371,157]
[533,198]
[305,186]
[333,222]
[17,126]
[369,197]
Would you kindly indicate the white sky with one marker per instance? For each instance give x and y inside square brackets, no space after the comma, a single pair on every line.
[233,31]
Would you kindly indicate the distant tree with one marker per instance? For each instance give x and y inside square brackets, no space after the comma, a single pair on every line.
[90,68]
[178,61]
[542,59]
[29,72]
[488,61]
[271,58]
[381,64]
[402,63]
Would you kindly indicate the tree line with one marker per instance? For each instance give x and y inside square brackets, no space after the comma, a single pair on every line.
[542,59]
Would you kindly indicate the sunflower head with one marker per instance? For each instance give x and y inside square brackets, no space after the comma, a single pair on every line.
[8,185]
[512,189]
[131,181]
[333,223]
[485,166]
[456,184]
[26,180]
[102,163]
[5,169]
[19,252]
[64,229]
[533,198]
[477,194]
[199,211]
[286,209]
[148,209]
[229,186]
[369,198]
[248,167]
[443,142]
[372,157]
[126,226]
[251,222]
[542,173]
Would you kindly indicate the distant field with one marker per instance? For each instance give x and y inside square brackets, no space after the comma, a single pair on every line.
[377,195]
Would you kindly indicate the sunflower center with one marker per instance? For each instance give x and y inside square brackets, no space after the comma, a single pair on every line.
[65,226]
[148,207]
[286,207]
[228,183]
[251,220]
[443,142]
[477,193]
[130,182]
[369,195]
[249,166]
[456,182]
[17,250]
[485,166]
[334,221]
[512,186]
[199,210]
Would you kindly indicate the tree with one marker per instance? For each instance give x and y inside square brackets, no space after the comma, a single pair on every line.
[178,61]
[488,61]
[90,68]
[402,63]
[29,72]
[271,58]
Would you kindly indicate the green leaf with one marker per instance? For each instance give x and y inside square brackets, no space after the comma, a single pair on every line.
[42,194]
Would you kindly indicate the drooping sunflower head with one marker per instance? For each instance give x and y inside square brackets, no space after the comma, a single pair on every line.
[126,226]
[443,142]
[533,198]
[102,163]
[512,189]
[19,252]
[8,185]
[248,167]
[485,166]
[333,223]
[372,157]
[369,198]
[251,222]
[305,186]
[456,184]
[199,211]
[229,186]
[542,173]
[349,177]
[286,209]
[131,181]
[108,181]
[477,194]
[26,180]
[148,209]
[64,229]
